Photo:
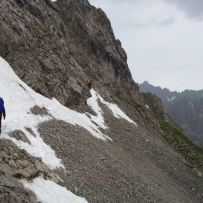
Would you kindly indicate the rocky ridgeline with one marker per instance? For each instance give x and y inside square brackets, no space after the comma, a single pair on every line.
[54,47]
[186,108]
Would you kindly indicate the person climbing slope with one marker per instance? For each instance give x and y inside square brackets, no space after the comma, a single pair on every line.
[2,111]
[88,83]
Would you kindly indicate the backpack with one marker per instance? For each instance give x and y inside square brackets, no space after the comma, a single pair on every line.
[1,105]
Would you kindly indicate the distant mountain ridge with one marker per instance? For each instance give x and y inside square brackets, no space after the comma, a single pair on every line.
[186,108]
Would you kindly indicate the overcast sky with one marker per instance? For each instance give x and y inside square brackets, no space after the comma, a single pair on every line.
[163,39]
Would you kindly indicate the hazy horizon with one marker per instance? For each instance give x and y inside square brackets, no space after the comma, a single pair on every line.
[162,38]
[171,90]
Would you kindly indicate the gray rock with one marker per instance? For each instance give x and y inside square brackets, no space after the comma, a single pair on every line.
[17,163]
[19,135]
[11,191]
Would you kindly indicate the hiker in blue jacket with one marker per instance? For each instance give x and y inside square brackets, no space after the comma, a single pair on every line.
[2,111]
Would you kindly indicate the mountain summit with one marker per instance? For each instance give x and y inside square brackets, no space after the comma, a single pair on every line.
[64,141]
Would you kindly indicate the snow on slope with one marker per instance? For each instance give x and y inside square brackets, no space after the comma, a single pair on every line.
[49,192]
[19,99]
[171,99]
[117,112]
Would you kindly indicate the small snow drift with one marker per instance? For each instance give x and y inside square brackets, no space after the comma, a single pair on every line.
[47,191]
[117,112]
[147,107]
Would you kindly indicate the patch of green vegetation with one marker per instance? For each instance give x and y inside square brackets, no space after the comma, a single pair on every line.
[191,152]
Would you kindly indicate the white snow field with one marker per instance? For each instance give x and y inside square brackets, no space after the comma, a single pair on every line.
[49,192]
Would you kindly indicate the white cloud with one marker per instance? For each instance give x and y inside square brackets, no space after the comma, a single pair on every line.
[159,39]
[192,8]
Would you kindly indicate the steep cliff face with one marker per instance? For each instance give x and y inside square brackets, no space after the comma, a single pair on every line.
[54,47]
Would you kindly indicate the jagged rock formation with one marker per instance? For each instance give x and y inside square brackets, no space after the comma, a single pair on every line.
[54,47]
[186,108]
[163,93]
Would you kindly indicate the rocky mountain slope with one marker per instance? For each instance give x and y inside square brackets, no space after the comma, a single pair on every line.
[108,144]
[186,108]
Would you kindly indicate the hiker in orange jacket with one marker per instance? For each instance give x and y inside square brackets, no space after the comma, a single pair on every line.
[89,83]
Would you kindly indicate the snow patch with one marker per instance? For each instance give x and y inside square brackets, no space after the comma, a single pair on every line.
[117,112]
[19,99]
[93,103]
[38,149]
[171,99]
[147,107]
[47,191]
[191,104]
